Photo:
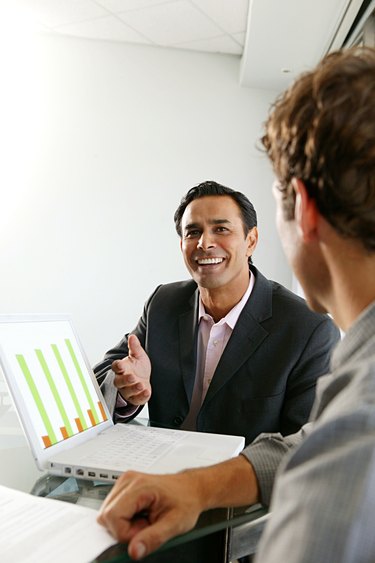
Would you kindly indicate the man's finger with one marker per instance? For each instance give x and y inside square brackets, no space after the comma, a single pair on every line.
[121,513]
[118,366]
[142,396]
[135,349]
[155,535]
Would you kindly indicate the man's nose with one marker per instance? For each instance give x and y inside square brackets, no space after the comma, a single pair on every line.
[206,241]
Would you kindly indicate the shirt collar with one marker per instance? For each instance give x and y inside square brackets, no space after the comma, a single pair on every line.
[232,317]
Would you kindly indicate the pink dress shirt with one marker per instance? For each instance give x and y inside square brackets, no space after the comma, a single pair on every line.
[212,339]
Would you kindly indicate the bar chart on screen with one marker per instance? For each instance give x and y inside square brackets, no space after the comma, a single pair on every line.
[54,379]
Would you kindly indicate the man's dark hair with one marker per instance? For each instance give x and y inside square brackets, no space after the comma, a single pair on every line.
[322,131]
[210,188]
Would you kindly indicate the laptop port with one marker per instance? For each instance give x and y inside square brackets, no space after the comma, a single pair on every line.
[80,472]
[68,470]
[103,475]
[91,473]
[114,477]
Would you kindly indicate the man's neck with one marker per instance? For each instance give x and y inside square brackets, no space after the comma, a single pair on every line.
[352,286]
[219,301]
[353,298]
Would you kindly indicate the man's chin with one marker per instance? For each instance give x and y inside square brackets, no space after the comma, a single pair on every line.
[315,305]
[209,281]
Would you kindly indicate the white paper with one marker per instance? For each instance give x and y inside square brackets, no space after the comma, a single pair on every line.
[40,530]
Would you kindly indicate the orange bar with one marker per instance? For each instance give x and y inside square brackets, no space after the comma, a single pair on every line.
[91,416]
[102,410]
[64,432]
[47,441]
[79,424]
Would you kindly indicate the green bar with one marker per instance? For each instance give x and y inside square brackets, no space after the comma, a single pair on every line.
[69,385]
[54,391]
[37,398]
[82,380]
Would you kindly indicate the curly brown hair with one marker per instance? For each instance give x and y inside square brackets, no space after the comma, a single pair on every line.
[322,131]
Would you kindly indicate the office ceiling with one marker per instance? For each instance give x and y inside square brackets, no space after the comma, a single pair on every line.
[275,39]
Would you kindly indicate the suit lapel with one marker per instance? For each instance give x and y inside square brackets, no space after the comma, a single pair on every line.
[247,336]
[188,348]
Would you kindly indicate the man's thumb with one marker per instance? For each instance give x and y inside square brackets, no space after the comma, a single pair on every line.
[135,349]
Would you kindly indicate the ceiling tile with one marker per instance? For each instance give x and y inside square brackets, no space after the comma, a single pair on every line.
[171,23]
[110,28]
[39,28]
[222,44]
[240,37]
[16,18]
[59,12]
[117,6]
[230,15]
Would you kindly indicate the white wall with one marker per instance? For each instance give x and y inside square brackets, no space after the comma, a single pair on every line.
[100,142]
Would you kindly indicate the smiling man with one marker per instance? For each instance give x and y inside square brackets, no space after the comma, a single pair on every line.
[228,351]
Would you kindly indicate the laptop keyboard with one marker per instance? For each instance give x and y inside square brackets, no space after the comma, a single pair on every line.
[139,446]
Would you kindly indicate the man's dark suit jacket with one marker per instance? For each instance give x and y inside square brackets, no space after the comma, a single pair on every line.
[265,379]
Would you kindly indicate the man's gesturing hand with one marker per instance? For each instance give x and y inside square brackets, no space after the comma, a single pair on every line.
[132,374]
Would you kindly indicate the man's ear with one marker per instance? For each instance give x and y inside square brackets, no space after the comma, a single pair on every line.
[252,240]
[305,211]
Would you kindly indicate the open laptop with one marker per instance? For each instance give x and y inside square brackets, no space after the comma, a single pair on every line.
[65,418]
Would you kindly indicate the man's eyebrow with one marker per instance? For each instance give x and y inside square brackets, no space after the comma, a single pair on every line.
[191,226]
[211,222]
[218,221]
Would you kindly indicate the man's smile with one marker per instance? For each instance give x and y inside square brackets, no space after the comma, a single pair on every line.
[209,261]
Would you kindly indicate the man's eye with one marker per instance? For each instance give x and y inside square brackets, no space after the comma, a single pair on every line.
[221,229]
[192,234]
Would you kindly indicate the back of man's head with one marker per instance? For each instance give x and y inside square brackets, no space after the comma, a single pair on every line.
[322,131]
[211,188]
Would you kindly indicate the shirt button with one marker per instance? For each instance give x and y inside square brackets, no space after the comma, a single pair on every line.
[178,420]
[215,342]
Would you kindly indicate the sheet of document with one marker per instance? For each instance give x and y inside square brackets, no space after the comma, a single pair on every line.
[40,530]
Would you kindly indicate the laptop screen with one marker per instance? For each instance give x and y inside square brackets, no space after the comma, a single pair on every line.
[55,393]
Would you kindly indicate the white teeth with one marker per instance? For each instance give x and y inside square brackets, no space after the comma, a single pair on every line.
[203,261]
